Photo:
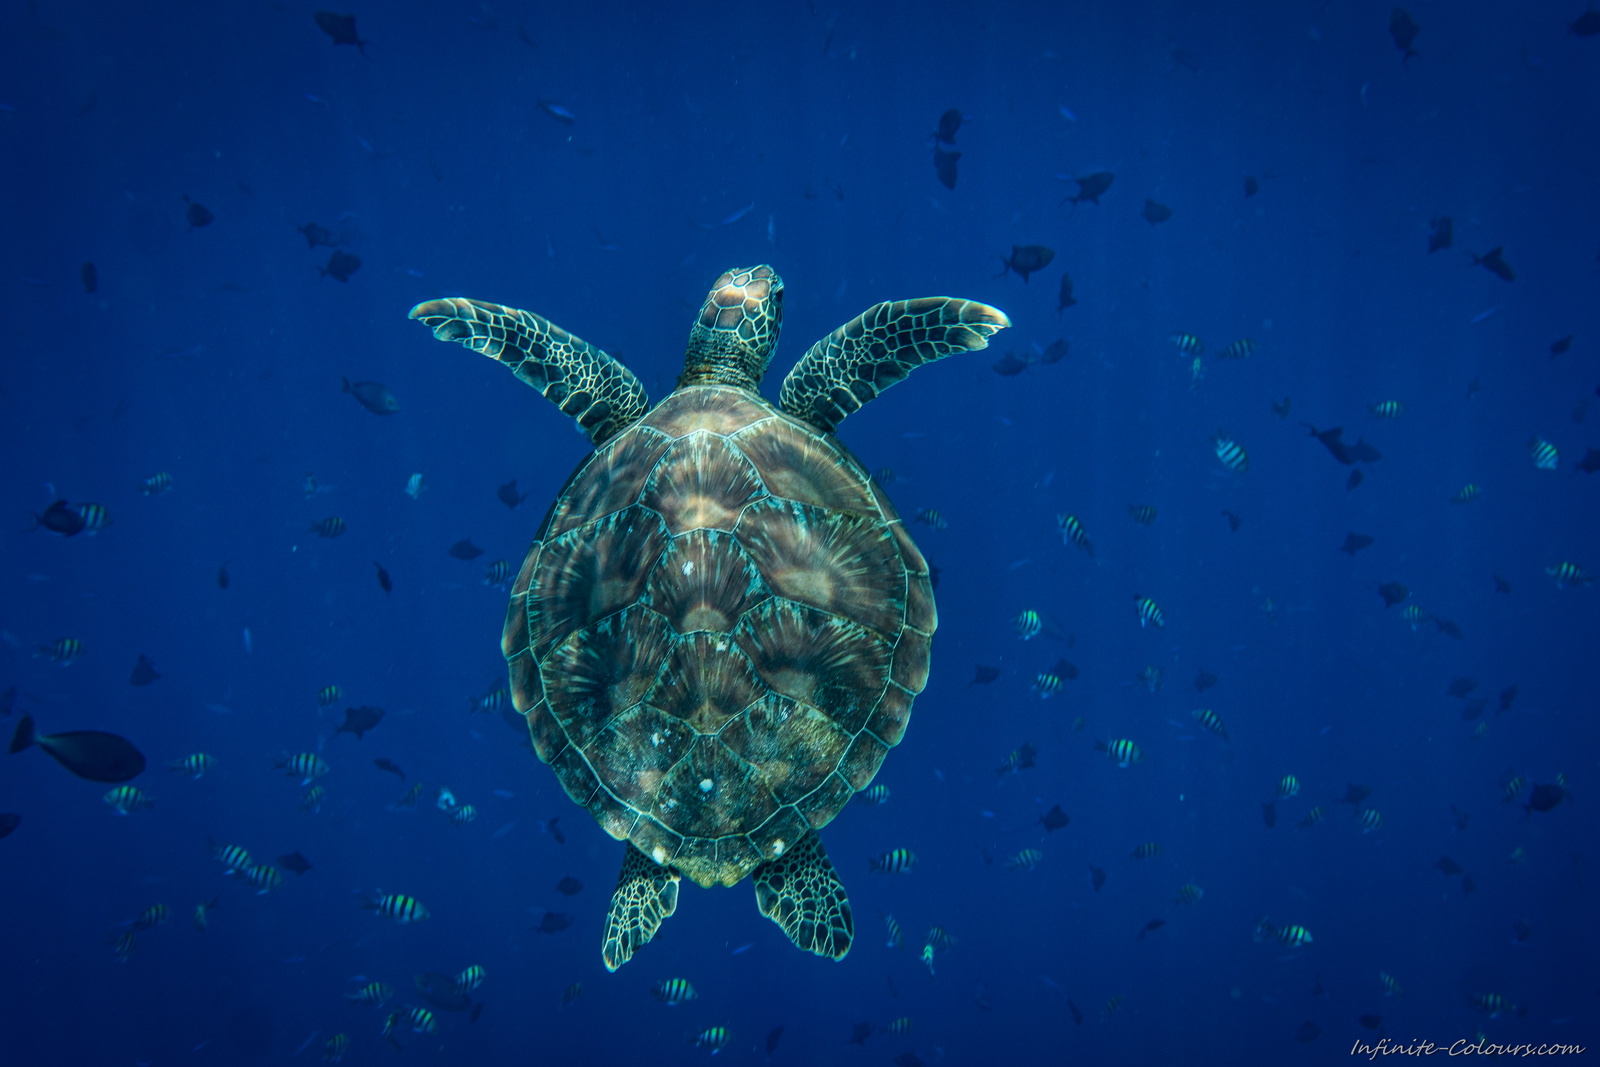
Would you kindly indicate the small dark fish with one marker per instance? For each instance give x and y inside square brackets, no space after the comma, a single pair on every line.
[385,764]
[1097,878]
[1360,452]
[509,496]
[196,214]
[1473,709]
[1508,696]
[933,577]
[980,997]
[1281,410]
[440,991]
[1064,670]
[1460,687]
[1151,926]
[9,821]
[556,111]
[1460,816]
[1027,259]
[61,518]
[859,1032]
[294,862]
[465,550]
[143,672]
[373,396]
[984,675]
[1155,213]
[90,754]
[1442,233]
[1269,814]
[1590,461]
[477,1011]
[773,1036]
[1090,188]
[548,826]
[8,702]
[1495,261]
[317,235]
[222,576]
[554,922]
[1009,365]
[1448,867]
[1467,885]
[1077,1016]
[340,266]
[944,167]
[1392,593]
[949,123]
[342,28]
[569,886]
[332,526]
[1545,798]
[1054,819]
[359,720]
[1065,299]
[383,578]
[1251,187]
[1557,348]
[89,277]
[1448,628]
[1403,28]
[1501,585]
[1354,480]
[1205,680]
[1054,352]
[1309,1031]
[1521,932]
[1233,521]
[1371,1022]
[571,994]
[1355,794]
[1588,24]
[1354,543]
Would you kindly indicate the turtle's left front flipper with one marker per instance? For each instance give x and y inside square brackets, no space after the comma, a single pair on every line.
[580,379]
[800,892]
[865,356]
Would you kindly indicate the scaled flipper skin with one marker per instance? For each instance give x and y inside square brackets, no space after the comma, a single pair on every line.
[600,393]
[801,893]
[646,893]
[865,356]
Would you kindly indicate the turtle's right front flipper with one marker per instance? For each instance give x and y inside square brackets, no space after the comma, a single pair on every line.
[580,379]
[646,894]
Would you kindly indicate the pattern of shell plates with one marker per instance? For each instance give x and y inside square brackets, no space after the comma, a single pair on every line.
[719,632]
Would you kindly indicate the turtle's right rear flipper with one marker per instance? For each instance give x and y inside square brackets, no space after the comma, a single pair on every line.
[646,894]
[801,893]
[600,393]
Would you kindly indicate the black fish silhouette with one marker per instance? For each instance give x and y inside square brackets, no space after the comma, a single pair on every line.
[1090,188]
[1233,521]
[1269,814]
[61,518]
[383,578]
[1205,680]
[859,1032]
[1544,798]
[1403,28]
[1055,351]
[1508,696]
[1360,452]
[1097,878]
[143,672]
[1442,233]
[1392,593]
[1460,687]
[1448,628]
[772,1040]
[1077,1016]
[1355,794]
[440,991]
[1251,187]
[1501,585]
[340,266]
[554,922]
[294,862]
[1010,365]
[196,214]
[222,576]
[1588,24]
[1562,346]
[1065,299]
[359,720]
[1355,479]
[317,235]
[1496,263]
[949,123]
[1155,213]
[385,764]
[509,496]
[373,396]
[1354,543]
[569,886]
[984,675]
[1065,671]
[465,550]
[1151,926]
[1448,867]
[944,166]
[1027,259]
[1309,1031]
[90,754]
[90,277]
[1370,1021]
[9,821]
[342,28]
[1054,819]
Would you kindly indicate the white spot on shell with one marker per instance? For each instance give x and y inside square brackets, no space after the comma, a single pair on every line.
[688,567]
[659,854]
[705,785]
[778,846]
[655,739]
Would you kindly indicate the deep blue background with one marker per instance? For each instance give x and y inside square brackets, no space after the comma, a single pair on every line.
[216,354]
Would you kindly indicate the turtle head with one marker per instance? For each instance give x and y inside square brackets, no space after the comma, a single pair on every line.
[737,329]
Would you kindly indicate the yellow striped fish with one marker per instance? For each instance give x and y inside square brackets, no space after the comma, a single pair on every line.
[1230,452]
[397,906]
[194,765]
[895,861]
[126,798]
[1545,456]
[1240,349]
[1188,344]
[1072,530]
[305,766]
[1123,753]
[674,991]
[1211,721]
[1149,613]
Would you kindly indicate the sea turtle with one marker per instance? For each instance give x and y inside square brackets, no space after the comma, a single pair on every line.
[721,625]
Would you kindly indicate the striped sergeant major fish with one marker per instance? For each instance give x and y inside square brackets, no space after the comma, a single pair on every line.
[895,861]
[63,650]
[1468,493]
[94,517]
[470,979]
[1149,612]
[202,914]
[1545,456]
[674,991]
[896,936]
[1387,409]
[876,794]
[397,906]
[193,765]
[232,857]
[1314,816]
[1294,935]
[497,573]
[374,994]
[1149,850]
[1072,530]
[264,877]
[1391,988]
[422,1021]
[1240,349]
[930,517]
[333,1049]
[1189,893]
[713,1037]
[332,526]
[1289,786]
[1143,514]
[1568,575]
[1188,344]
[1122,752]
[1028,624]
[156,483]
[1211,721]
[126,798]
[1231,453]
[328,696]
[1369,819]
[1026,860]
[305,766]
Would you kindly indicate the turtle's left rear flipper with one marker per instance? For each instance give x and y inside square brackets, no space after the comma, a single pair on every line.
[800,892]
[646,893]
[865,356]
[580,379]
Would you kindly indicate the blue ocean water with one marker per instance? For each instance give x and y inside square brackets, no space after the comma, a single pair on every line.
[602,165]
